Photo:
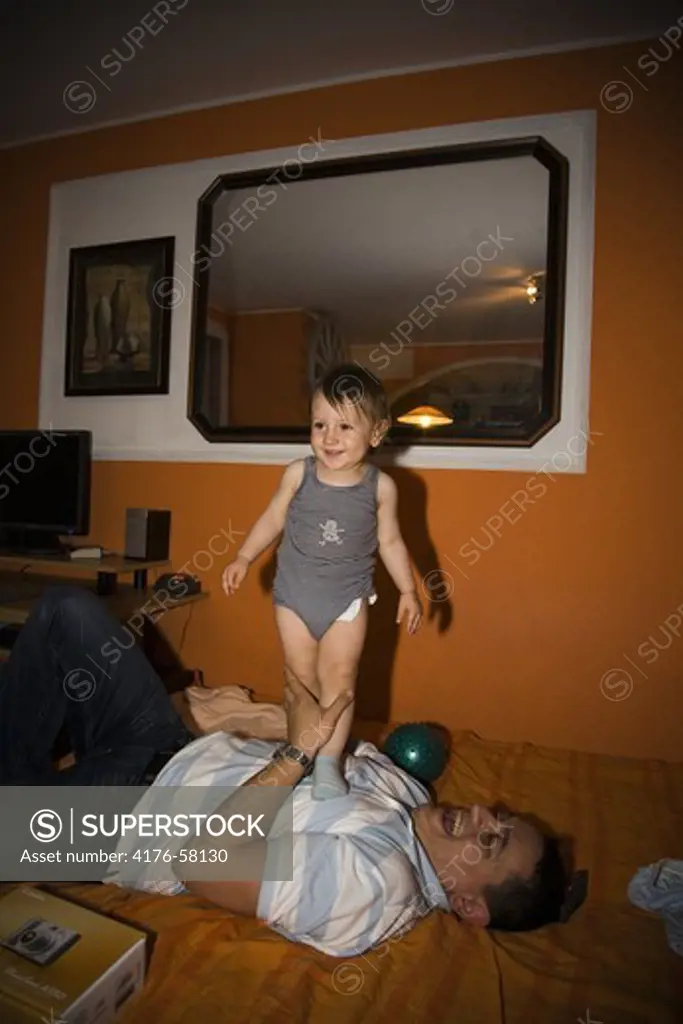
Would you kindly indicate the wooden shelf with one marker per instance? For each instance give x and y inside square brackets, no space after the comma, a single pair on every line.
[135,604]
[124,602]
[111,564]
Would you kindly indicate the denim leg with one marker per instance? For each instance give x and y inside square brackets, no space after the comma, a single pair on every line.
[67,668]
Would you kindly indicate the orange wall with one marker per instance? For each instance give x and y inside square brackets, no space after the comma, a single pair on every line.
[593,567]
[429,358]
[267,369]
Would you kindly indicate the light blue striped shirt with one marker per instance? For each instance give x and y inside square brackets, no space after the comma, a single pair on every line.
[360,873]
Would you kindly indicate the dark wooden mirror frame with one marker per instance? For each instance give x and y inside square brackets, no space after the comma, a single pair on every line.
[400,435]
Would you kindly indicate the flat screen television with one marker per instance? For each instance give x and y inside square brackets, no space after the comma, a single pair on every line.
[44,488]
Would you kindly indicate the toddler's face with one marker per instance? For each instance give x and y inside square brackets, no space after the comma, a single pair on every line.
[340,437]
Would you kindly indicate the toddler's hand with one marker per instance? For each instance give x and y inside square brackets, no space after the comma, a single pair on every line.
[233,575]
[409,607]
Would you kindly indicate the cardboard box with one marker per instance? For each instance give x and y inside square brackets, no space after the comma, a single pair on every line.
[63,962]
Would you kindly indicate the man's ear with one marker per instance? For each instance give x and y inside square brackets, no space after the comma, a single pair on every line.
[471,909]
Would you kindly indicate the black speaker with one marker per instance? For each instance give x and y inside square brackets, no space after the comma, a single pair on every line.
[148,534]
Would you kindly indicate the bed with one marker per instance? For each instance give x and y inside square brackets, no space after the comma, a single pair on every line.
[610,964]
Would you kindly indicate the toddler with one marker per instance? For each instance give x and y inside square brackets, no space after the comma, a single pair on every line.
[337,512]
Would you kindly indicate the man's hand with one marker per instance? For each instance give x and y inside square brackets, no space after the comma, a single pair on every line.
[409,608]
[309,725]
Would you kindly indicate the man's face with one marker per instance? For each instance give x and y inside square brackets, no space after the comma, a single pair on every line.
[471,848]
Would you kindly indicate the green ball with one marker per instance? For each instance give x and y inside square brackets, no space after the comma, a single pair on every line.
[419,749]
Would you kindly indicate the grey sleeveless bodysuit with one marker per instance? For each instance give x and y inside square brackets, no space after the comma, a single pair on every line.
[327,556]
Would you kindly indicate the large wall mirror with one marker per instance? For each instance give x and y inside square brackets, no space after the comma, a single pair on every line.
[441,271]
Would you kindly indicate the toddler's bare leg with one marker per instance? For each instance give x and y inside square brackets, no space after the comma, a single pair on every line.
[339,652]
[300,648]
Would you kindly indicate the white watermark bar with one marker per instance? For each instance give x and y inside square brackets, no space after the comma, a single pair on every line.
[145,836]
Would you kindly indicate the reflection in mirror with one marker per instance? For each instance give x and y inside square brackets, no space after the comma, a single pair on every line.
[441,273]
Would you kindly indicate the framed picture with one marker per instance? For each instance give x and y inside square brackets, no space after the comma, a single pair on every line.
[118,330]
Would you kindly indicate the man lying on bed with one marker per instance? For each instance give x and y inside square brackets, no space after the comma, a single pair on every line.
[367,866]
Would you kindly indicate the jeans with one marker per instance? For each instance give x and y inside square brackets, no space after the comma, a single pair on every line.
[113,707]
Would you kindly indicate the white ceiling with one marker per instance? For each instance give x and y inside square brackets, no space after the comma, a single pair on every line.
[368,248]
[59,72]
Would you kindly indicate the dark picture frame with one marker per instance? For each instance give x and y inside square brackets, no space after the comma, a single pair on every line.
[118,330]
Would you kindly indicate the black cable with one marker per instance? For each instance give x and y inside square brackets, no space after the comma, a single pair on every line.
[185,625]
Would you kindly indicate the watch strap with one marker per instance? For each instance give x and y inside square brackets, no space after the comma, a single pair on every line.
[291,753]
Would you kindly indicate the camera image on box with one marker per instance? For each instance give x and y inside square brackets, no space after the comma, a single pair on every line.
[40,941]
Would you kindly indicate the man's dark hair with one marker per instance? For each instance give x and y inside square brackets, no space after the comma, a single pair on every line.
[523,904]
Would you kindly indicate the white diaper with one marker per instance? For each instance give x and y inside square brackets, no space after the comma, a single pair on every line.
[354,608]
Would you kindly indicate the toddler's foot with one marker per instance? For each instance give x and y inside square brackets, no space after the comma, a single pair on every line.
[328,781]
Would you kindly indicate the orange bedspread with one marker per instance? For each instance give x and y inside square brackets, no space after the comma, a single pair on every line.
[610,962]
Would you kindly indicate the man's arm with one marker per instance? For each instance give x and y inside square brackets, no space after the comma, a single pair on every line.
[246,857]
[309,726]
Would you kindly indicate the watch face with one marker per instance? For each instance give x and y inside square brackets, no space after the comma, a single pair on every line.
[292,753]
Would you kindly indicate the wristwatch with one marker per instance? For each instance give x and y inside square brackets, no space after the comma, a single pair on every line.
[291,753]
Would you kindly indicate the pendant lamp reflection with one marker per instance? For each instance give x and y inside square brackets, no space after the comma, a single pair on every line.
[425,416]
